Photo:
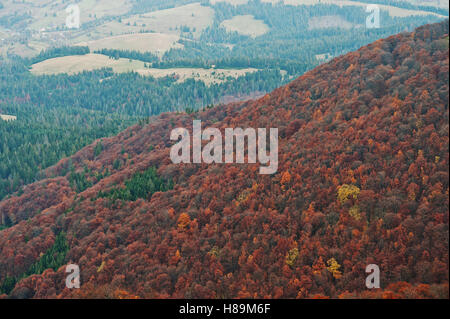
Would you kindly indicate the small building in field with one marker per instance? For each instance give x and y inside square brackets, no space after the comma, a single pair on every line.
[8,117]
[324,57]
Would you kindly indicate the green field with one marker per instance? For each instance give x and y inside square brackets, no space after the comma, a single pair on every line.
[246,25]
[78,63]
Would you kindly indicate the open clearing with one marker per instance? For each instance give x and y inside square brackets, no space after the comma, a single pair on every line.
[143,42]
[332,21]
[194,16]
[168,21]
[3,34]
[246,25]
[79,63]
[208,76]
[51,13]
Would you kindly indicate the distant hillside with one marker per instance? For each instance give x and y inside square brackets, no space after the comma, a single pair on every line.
[363,179]
[27,27]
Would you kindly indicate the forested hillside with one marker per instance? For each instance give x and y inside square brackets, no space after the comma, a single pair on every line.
[59,114]
[363,179]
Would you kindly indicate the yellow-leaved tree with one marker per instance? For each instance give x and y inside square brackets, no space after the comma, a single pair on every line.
[291,256]
[347,191]
[333,267]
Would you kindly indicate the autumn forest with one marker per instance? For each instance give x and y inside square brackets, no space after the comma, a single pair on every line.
[363,178]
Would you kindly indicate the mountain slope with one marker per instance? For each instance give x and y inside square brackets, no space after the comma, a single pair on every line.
[362,179]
